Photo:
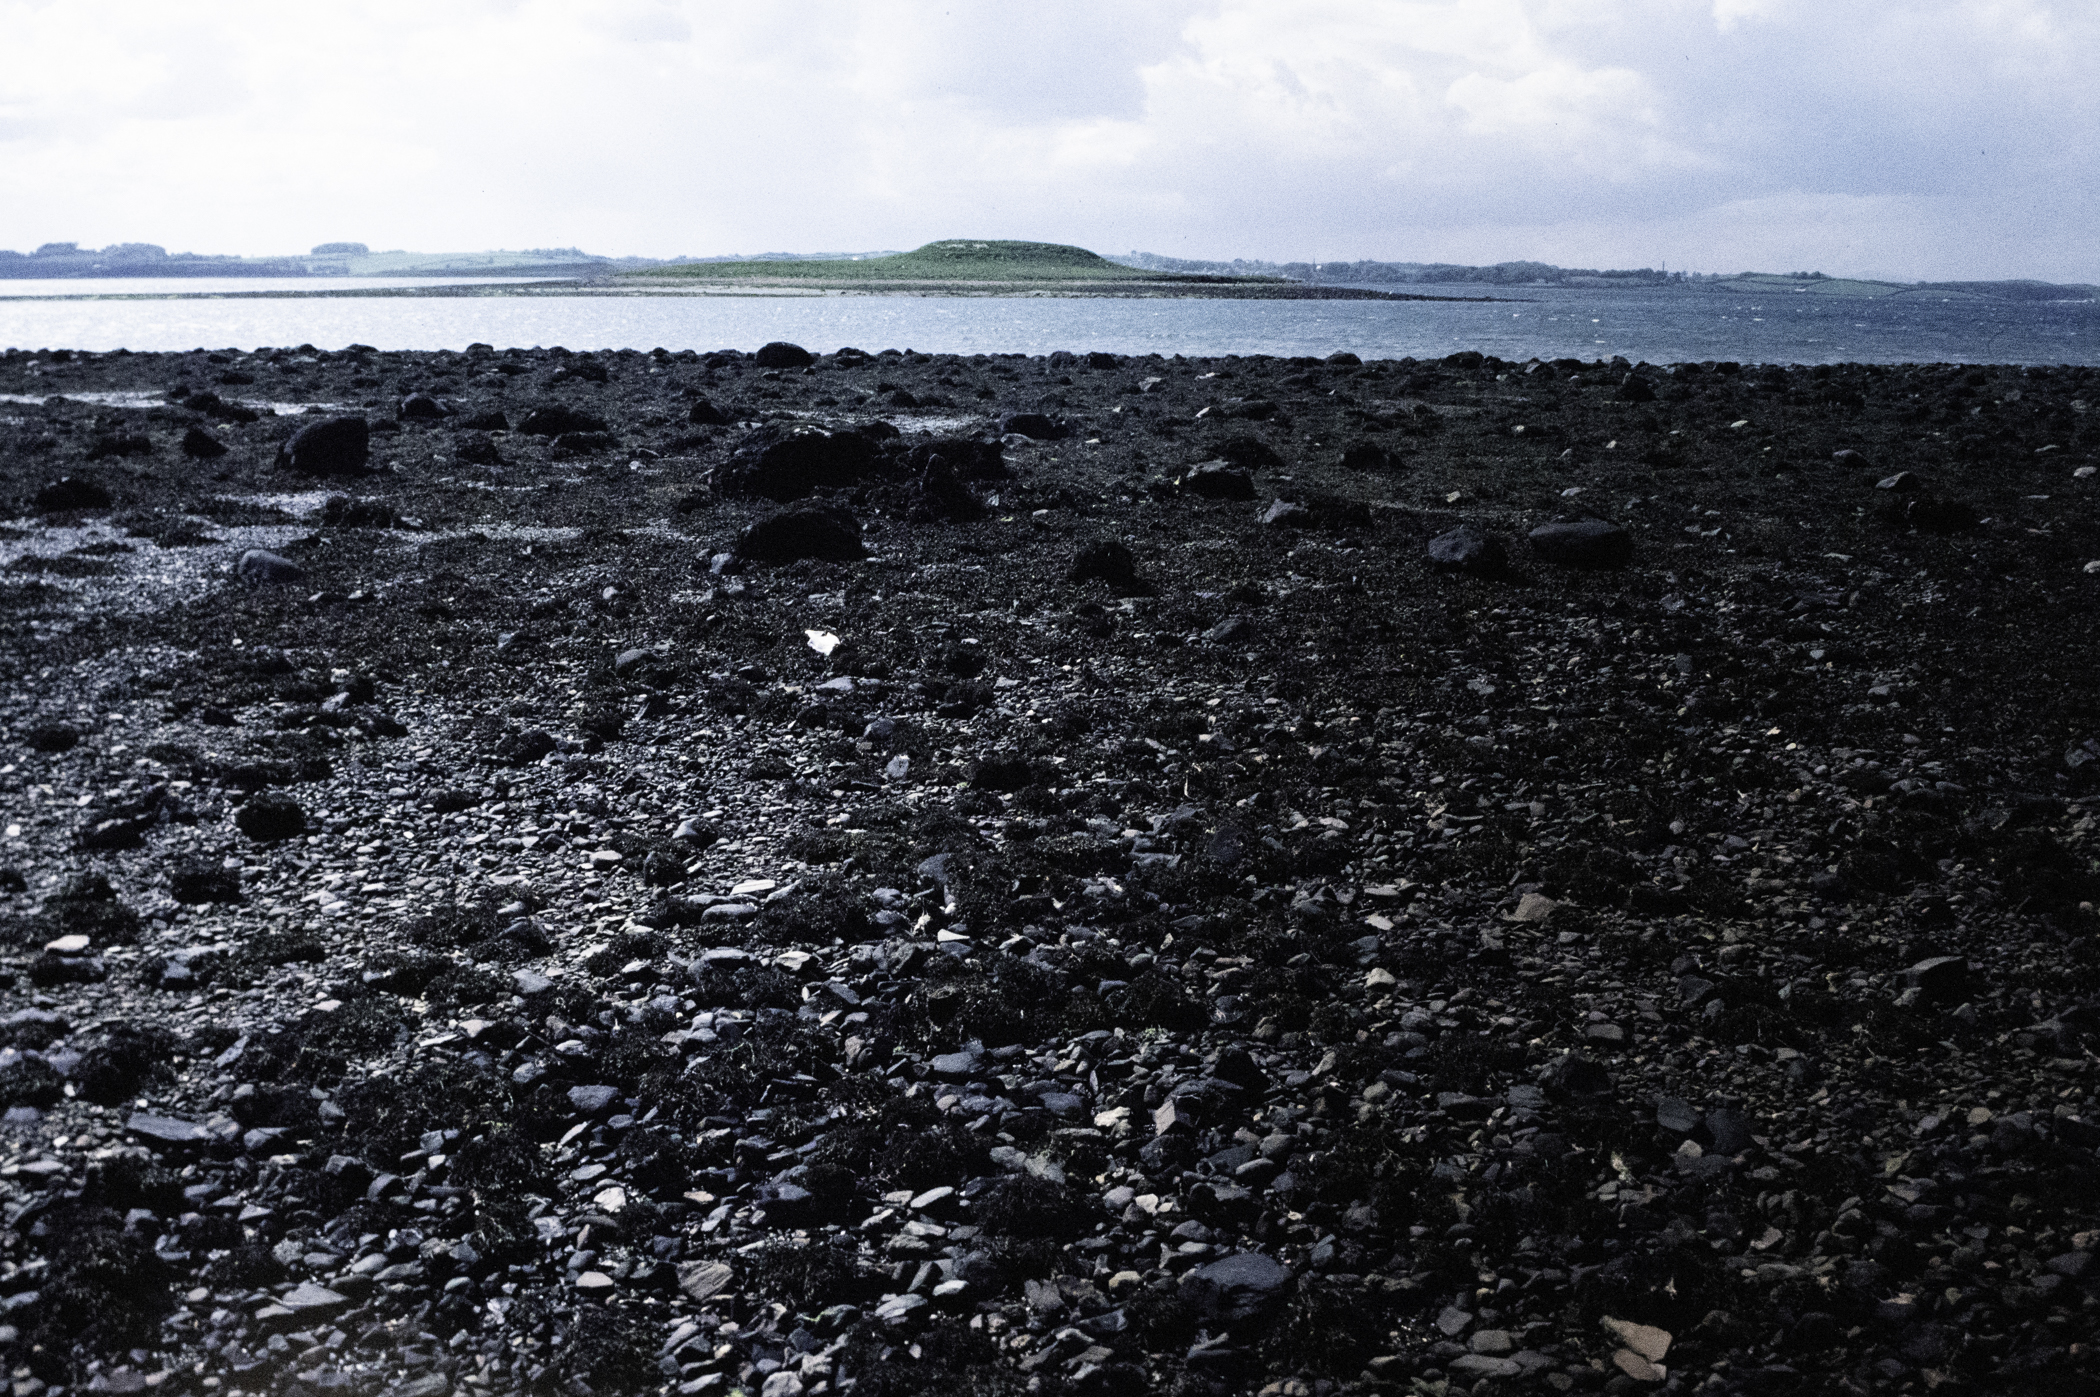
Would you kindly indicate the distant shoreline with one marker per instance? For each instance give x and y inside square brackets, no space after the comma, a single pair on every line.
[632,285]
[696,287]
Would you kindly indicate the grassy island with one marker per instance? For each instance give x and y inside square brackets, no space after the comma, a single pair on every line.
[970,266]
[951,259]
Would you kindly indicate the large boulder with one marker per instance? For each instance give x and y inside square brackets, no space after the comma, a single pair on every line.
[1366,456]
[968,458]
[559,419]
[271,816]
[70,492]
[1034,425]
[1935,515]
[336,446]
[262,566]
[200,445]
[1107,560]
[1219,480]
[195,883]
[420,407]
[343,512]
[582,368]
[939,497]
[1239,1288]
[476,449]
[1247,452]
[807,531]
[1467,549]
[120,444]
[1583,543]
[218,409]
[803,462]
[782,355]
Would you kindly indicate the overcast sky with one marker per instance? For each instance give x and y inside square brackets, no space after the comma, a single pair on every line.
[1915,139]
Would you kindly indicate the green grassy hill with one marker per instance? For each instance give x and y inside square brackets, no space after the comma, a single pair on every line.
[952,259]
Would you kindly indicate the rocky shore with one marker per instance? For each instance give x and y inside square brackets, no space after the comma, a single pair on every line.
[879,873]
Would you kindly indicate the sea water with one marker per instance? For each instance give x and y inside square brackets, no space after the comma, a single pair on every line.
[1658,324]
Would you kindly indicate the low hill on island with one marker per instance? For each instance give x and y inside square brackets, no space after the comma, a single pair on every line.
[979,267]
[949,260]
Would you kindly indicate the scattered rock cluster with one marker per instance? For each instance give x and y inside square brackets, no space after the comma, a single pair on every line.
[886,873]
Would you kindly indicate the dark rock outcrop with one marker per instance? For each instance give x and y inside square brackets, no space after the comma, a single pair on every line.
[338,446]
[781,355]
[806,531]
[1583,543]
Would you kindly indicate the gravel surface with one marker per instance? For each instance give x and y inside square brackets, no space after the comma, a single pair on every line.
[554,873]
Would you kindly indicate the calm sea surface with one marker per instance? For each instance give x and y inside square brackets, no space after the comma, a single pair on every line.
[1662,325]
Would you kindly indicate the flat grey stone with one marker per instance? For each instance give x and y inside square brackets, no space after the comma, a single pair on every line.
[902,1308]
[308,1298]
[1480,1365]
[169,1130]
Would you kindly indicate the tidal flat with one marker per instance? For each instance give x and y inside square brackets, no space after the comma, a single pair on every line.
[530,871]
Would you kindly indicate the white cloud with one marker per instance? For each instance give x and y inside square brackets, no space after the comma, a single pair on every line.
[1729,13]
[1946,135]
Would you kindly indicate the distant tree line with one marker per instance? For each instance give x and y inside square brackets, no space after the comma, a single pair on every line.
[138,259]
[150,259]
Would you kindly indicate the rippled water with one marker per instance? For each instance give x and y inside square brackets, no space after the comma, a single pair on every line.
[1658,324]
